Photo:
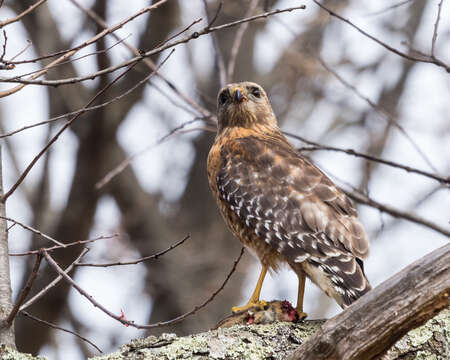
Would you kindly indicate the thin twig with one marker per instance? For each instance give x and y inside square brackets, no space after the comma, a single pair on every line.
[218,56]
[66,125]
[316,146]
[83,45]
[436,26]
[27,314]
[391,7]
[52,284]
[194,35]
[126,162]
[35,231]
[61,52]
[238,41]
[121,318]
[74,243]
[147,61]
[22,14]
[82,110]
[172,100]
[388,117]
[25,290]
[134,262]
[428,59]
[178,33]
[27,46]
[364,199]
[206,302]
[420,201]
[4,45]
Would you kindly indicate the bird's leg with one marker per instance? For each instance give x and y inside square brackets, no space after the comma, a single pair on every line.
[254,300]
[301,293]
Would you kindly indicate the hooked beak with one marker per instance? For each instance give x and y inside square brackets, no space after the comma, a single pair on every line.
[238,96]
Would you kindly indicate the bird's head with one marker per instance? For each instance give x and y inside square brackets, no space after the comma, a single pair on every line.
[244,104]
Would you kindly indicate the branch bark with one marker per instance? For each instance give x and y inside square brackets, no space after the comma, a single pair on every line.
[6,305]
[274,341]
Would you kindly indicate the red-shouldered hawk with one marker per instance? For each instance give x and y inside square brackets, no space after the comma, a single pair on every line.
[279,205]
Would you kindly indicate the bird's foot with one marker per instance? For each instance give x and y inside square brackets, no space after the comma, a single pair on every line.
[259,305]
[301,315]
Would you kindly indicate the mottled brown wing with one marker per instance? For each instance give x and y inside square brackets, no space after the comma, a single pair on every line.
[295,208]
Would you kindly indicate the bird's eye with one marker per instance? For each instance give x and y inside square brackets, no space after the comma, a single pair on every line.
[256,92]
[223,97]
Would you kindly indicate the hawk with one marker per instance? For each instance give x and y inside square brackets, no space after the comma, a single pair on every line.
[279,205]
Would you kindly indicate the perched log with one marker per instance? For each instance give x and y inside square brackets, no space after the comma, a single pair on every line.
[268,341]
[275,341]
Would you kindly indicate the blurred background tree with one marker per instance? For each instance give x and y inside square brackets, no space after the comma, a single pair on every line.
[319,73]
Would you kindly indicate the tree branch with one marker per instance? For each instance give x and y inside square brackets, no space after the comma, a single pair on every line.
[363,199]
[7,336]
[431,59]
[21,15]
[25,290]
[168,45]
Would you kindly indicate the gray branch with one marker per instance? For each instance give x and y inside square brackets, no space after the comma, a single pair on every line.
[6,305]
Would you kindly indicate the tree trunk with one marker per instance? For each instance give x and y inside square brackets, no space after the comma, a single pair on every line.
[6,331]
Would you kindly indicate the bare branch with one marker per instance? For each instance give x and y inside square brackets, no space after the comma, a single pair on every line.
[4,46]
[34,231]
[134,262]
[51,285]
[238,40]
[436,26]
[381,111]
[218,56]
[25,290]
[317,146]
[66,125]
[391,7]
[121,318]
[11,61]
[363,199]
[84,109]
[61,52]
[428,59]
[83,45]
[126,162]
[198,307]
[21,15]
[60,328]
[64,246]
[147,61]
[154,51]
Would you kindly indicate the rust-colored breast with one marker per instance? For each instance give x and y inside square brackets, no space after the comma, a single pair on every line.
[224,158]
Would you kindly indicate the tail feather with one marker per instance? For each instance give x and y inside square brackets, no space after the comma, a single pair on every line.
[347,277]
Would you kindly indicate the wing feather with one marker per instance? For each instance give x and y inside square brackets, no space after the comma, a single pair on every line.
[269,182]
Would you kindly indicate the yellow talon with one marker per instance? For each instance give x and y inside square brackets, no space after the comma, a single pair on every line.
[254,300]
[259,304]
[301,315]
